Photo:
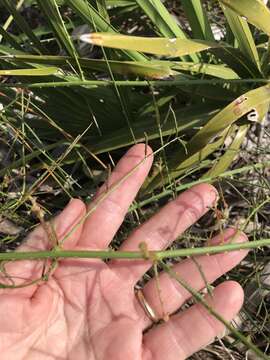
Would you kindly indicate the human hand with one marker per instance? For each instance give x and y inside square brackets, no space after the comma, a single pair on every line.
[88,309]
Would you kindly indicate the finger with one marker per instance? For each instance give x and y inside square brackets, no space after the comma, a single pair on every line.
[61,225]
[38,240]
[193,329]
[103,223]
[163,228]
[173,295]
[19,313]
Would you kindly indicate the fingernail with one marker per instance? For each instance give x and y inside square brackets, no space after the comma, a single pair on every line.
[214,196]
[70,201]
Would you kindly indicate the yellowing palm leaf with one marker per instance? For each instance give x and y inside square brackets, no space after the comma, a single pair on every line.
[158,46]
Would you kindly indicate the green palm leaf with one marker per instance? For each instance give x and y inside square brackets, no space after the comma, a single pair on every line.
[254,11]
[257,100]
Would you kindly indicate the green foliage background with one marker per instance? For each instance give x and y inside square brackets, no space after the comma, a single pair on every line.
[69,109]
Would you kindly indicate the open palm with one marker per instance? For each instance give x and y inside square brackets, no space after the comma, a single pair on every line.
[88,309]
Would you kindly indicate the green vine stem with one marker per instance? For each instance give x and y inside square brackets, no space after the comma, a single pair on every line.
[142,83]
[132,255]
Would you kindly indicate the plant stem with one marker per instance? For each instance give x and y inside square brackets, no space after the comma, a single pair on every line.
[95,83]
[132,255]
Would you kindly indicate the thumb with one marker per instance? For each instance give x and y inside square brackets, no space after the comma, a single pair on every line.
[21,272]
